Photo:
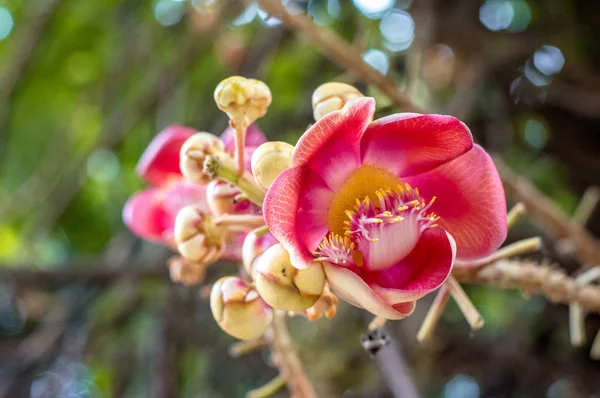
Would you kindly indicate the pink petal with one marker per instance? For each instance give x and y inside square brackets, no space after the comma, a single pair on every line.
[254,137]
[331,146]
[420,273]
[408,143]
[233,248]
[160,161]
[182,193]
[145,215]
[295,210]
[470,202]
[351,288]
[150,214]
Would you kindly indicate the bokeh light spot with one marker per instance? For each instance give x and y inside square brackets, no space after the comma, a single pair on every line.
[398,30]
[461,386]
[378,60]
[535,133]
[318,12]
[522,16]
[103,166]
[496,14]
[12,314]
[247,15]
[534,75]
[6,23]
[169,12]
[267,19]
[549,60]
[333,8]
[81,68]
[374,9]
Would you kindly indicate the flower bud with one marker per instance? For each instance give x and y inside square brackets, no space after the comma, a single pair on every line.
[197,236]
[270,159]
[186,272]
[285,287]
[254,246]
[331,97]
[193,153]
[244,100]
[238,309]
[221,197]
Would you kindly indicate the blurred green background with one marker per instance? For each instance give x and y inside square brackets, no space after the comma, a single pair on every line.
[84,86]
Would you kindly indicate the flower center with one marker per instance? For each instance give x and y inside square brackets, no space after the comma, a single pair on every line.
[363,182]
[380,225]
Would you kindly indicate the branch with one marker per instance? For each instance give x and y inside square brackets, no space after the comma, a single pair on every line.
[585,248]
[287,361]
[339,51]
[534,278]
[100,274]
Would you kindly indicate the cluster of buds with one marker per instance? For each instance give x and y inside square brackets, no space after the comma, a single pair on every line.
[236,170]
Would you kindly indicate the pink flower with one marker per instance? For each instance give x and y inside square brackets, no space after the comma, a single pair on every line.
[387,205]
[150,214]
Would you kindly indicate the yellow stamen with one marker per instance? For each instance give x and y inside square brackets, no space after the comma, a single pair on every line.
[363,183]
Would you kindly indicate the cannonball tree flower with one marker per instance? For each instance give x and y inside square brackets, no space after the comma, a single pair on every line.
[386,205]
[150,214]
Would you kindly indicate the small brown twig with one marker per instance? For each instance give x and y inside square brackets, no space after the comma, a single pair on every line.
[92,273]
[339,51]
[585,248]
[287,361]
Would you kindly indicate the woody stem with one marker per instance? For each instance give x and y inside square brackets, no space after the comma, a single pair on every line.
[287,361]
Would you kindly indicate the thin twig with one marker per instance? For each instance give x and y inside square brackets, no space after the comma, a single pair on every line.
[595,351]
[549,216]
[576,325]
[92,273]
[27,38]
[339,51]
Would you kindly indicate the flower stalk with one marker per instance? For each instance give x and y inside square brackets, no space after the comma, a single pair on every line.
[434,314]
[521,247]
[214,167]
[471,314]
[240,222]
[244,347]
[514,214]
[269,389]
[240,143]
[377,323]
